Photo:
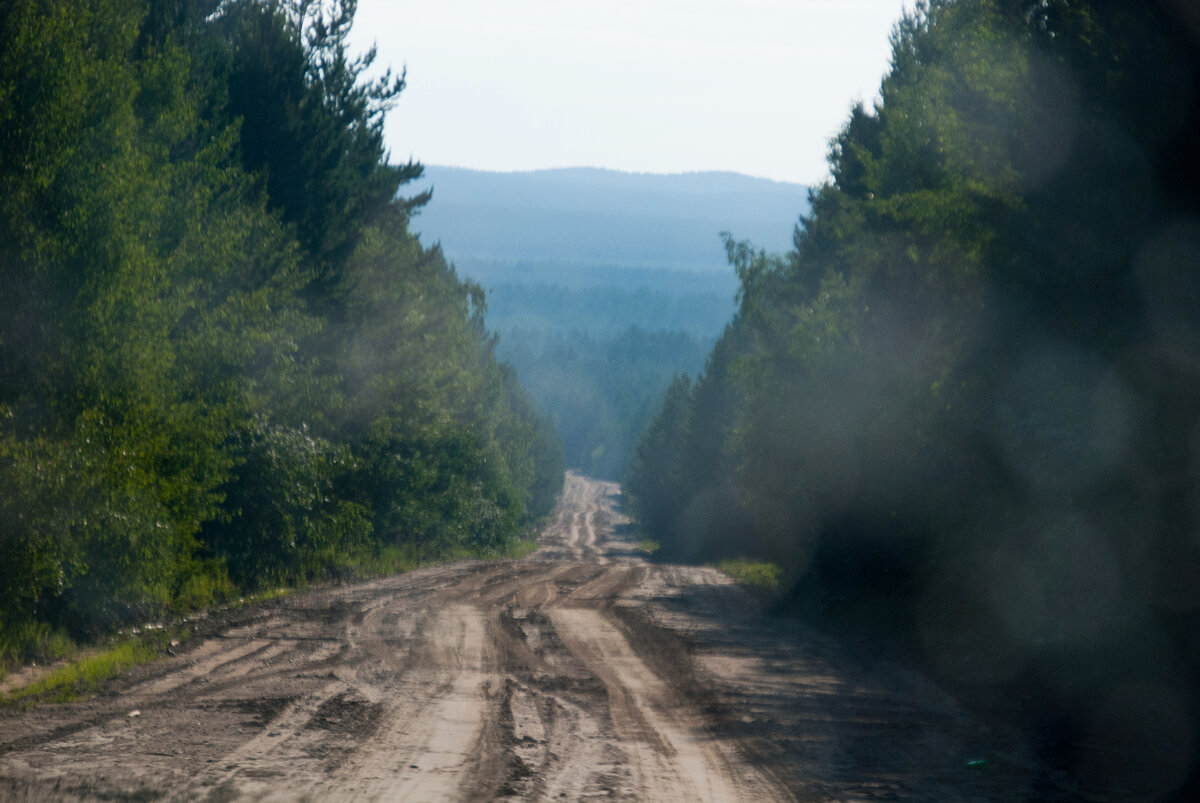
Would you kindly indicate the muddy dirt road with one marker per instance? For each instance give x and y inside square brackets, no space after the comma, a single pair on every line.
[578,673]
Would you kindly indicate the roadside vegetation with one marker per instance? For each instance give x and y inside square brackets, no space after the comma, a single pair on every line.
[83,675]
[226,364]
[759,575]
[962,413]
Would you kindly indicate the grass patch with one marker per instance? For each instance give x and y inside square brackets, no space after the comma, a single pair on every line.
[518,549]
[39,643]
[206,586]
[397,559]
[648,545]
[84,676]
[262,595]
[32,642]
[759,575]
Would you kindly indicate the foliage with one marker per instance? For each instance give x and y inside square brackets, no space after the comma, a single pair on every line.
[225,363]
[32,642]
[83,676]
[599,392]
[961,413]
[694,303]
[759,575]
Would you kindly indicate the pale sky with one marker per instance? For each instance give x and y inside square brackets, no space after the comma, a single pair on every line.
[656,86]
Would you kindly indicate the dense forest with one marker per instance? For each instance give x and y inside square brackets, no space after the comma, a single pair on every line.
[600,390]
[692,303]
[598,345]
[225,360]
[963,414]
[602,285]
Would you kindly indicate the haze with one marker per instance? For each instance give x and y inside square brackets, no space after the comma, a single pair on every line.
[663,86]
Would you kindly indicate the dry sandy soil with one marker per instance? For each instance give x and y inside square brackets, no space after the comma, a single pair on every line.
[581,672]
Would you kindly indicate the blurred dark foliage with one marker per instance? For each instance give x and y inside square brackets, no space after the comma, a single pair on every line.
[964,414]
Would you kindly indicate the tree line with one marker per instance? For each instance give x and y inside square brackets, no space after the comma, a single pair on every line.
[600,389]
[224,359]
[964,412]
[597,355]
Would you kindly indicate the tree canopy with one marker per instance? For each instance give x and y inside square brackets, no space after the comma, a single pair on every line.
[224,359]
[962,413]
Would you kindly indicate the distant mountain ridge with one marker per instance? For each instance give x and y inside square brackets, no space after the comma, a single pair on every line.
[603,286]
[592,216]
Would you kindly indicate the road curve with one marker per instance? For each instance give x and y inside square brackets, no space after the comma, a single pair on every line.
[581,672]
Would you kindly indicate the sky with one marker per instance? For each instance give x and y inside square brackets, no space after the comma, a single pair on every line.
[648,86]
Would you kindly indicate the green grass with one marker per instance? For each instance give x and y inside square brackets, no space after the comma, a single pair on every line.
[398,559]
[207,586]
[518,549]
[759,575]
[84,676]
[263,595]
[31,642]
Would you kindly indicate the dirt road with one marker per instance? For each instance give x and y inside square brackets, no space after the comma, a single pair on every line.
[580,672]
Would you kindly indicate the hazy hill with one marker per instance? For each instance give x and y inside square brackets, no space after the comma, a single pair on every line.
[603,286]
[589,216]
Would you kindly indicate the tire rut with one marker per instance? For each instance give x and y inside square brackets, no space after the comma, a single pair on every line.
[579,672]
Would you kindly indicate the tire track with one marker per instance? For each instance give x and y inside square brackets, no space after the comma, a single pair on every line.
[473,681]
[252,771]
[672,758]
[425,744]
[579,672]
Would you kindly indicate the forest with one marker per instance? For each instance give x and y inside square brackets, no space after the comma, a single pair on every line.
[962,415]
[600,390]
[602,285]
[226,362]
[598,345]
